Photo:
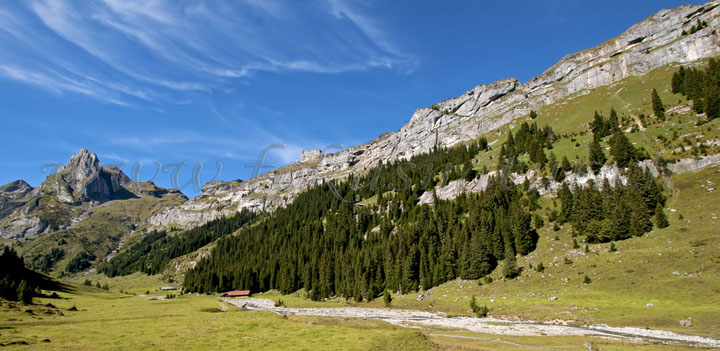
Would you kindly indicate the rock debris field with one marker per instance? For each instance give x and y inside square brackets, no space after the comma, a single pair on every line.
[489,325]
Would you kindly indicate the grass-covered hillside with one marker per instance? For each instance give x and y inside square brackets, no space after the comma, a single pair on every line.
[649,281]
[519,254]
[87,243]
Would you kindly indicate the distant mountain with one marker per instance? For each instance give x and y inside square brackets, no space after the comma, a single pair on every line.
[657,41]
[71,203]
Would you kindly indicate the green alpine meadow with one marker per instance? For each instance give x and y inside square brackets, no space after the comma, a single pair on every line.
[575,210]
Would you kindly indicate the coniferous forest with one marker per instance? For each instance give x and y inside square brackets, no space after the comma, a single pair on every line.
[337,248]
[151,254]
[18,283]
[367,234]
[700,86]
[329,245]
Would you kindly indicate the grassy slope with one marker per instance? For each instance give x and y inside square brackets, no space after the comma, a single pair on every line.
[640,273]
[100,232]
[630,97]
[111,321]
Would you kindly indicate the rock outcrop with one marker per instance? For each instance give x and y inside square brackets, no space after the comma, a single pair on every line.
[65,198]
[650,44]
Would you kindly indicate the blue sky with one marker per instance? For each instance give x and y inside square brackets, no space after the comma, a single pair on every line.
[146,81]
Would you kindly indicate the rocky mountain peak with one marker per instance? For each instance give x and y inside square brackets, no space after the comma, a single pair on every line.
[13,189]
[83,164]
[68,196]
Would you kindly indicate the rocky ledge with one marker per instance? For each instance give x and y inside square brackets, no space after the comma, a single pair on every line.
[650,44]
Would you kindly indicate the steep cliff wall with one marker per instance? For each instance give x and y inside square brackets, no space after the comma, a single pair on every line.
[650,44]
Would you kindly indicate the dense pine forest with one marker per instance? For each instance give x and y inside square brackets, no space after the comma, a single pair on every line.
[361,236]
[18,283]
[700,86]
[330,246]
[151,254]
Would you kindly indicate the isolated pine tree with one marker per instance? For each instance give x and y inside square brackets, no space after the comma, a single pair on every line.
[660,219]
[387,299]
[657,106]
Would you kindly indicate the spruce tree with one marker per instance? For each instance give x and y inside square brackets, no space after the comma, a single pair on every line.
[712,103]
[596,155]
[566,166]
[387,299]
[24,292]
[657,106]
[613,122]
[621,149]
[510,268]
[661,220]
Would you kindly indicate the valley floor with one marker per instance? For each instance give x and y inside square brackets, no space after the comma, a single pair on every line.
[650,283]
[489,325]
[111,321]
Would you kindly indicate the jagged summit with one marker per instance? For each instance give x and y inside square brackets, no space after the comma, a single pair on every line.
[66,196]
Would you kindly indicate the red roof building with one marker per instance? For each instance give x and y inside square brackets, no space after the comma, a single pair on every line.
[237,293]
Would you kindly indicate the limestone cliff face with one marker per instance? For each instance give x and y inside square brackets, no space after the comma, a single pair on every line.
[65,197]
[648,45]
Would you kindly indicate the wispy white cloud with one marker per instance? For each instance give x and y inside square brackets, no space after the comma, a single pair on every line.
[120,51]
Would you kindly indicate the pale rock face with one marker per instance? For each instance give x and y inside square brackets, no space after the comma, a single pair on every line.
[650,44]
[611,173]
[10,193]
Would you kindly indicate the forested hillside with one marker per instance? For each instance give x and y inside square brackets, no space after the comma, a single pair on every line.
[329,245]
[156,249]
[364,235]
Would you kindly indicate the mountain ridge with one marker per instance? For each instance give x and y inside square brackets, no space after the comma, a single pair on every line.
[649,44]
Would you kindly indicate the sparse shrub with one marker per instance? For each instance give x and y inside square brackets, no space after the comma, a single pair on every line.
[568,261]
[480,311]
[612,247]
[539,223]
[87,282]
[540,267]
[587,280]
[587,248]
[575,244]
[279,303]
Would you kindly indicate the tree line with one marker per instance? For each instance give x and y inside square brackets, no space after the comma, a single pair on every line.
[330,245]
[700,86]
[152,253]
[17,282]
